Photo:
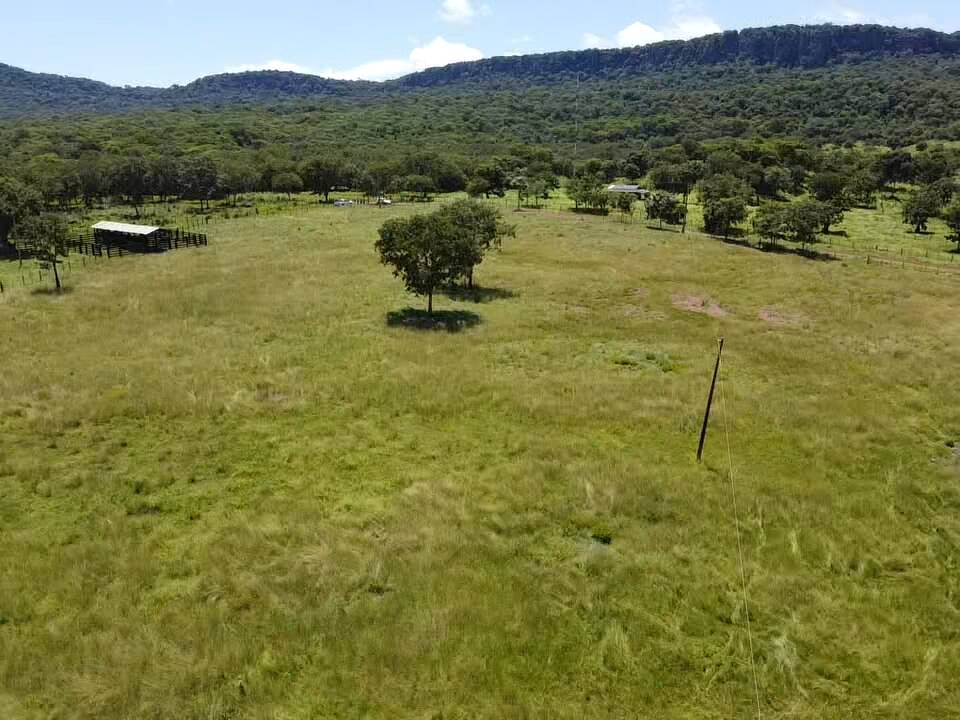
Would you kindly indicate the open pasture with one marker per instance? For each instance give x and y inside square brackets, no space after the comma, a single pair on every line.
[241,482]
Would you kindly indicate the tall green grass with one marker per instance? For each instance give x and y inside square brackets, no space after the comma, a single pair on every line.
[231,490]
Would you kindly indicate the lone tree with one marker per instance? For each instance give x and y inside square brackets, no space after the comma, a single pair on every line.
[624,203]
[287,183]
[481,227]
[919,208]
[829,186]
[201,180]
[425,251]
[422,185]
[131,181]
[724,203]
[952,217]
[802,220]
[666,208]
[588,191]
[768,223]
[322,174]
[44,238]
[17,201]
[432,251]
[678,178]
[831,213]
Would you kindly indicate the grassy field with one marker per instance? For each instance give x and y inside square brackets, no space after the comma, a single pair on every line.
[236,485]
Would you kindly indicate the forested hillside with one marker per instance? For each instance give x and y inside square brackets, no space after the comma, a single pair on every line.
[775,100]
[822,83]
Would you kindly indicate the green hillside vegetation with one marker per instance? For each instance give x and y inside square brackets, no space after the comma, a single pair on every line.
[821,83]
[236,485]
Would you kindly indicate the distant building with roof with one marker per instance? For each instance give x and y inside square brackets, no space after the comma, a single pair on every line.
[635,190]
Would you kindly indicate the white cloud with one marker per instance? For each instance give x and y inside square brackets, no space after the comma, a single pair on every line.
[693,26]
[461,12]
[439,52]
[436,53]
[374,70]
[639,33]
[271,65]
[682,26]
[840,14]
[590,40]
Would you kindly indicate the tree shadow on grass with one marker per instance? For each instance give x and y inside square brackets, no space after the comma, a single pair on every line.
[738,241]
[52,291]
[478,294]
[451,321]
[805,252]
[777,249]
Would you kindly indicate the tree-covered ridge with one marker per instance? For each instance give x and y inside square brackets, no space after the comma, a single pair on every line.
[788,46]
[24,93]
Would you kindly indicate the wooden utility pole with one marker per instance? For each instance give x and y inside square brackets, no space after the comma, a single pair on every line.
[706,416]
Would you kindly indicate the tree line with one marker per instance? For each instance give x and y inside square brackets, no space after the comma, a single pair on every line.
[728,177]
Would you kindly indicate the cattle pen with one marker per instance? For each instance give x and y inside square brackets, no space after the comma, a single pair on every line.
[117,239]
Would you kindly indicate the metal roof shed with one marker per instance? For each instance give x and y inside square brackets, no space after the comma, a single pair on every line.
[628,190]
[131,238]
[125,228]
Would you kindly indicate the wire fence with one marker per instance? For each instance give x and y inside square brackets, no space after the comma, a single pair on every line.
[194,224]
[29,274]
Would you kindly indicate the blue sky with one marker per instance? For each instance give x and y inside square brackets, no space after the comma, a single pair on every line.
[128,42]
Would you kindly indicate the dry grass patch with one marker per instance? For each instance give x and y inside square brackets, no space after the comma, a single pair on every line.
[700,305]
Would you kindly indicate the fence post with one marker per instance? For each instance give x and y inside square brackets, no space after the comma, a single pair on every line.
[706,416]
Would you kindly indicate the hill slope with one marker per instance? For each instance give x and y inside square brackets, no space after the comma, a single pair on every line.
[24,93]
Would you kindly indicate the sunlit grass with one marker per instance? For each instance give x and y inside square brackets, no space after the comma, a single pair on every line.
[231,489]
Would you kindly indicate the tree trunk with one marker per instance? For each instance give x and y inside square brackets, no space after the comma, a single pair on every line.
[56,275]
[6,247]
[430,303]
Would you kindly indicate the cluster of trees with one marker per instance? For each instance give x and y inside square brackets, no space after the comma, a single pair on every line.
[732,176]
[798,222]
[93,177]
[729,176]
[432,251]
[929,201]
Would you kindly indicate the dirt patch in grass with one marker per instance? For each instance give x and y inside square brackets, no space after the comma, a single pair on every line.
[781,318]
[697,304]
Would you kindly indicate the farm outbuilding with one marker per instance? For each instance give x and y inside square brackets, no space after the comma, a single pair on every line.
[128,238]
[635,190]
